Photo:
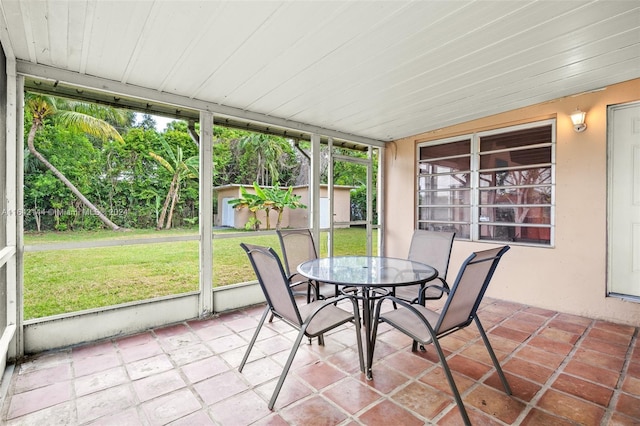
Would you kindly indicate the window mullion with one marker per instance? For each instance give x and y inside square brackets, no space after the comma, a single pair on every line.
[475,187]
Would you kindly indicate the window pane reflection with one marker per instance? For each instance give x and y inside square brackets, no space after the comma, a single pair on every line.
[453,197]
[516,214]
[460,180]
[523,234]
[453,214]
[511,196]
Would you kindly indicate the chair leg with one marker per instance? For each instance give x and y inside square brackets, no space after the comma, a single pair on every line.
[374,332]
[452,383]
[492,354]
[286,368]
[253,339]
[356,322]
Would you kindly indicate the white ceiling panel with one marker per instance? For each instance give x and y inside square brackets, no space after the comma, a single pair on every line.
[113,34]
[373,69]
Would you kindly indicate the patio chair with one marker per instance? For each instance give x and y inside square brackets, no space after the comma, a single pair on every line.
[434,249]
[297,246]
[311,320]
[426,326]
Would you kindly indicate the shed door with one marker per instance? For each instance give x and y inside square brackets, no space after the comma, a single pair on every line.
[228,213]
[624,199]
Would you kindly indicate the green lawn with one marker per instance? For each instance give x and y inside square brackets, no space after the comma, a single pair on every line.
[62,281]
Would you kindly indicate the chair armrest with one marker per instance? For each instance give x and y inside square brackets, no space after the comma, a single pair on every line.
[330,302]
[410,308]
[297,283]
[443,287]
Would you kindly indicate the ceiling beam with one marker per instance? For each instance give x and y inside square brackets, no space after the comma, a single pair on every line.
[128,96]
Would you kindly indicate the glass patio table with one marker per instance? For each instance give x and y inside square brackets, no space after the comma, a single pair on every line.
[367,278]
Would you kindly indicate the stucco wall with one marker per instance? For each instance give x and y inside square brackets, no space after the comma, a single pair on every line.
[571,276]
[298,218]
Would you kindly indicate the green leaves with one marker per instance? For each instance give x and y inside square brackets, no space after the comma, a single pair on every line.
[267,199]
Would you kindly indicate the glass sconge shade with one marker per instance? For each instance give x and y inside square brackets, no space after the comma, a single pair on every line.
[577,118]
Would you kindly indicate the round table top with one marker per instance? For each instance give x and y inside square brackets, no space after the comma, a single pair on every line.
[369,271]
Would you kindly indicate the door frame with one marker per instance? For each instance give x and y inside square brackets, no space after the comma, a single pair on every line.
[611,110]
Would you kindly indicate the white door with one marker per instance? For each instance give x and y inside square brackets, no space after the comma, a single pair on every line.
[324,213]
[624,199]
[228,213]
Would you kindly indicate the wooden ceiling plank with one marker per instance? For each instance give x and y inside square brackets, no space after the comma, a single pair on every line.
[352,61]
[57,17]
[251,23]
[548,55]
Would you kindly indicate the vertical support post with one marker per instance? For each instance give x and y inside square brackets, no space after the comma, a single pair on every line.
[380,201]
[15,276]
[369,200]
[206,213]
[314,188]
[331,197]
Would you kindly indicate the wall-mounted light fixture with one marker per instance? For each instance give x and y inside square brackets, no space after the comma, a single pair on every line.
[578,121]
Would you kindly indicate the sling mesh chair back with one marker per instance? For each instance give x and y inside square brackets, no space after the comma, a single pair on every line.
[311,320]
[426,326]
[298,246]
[434,249]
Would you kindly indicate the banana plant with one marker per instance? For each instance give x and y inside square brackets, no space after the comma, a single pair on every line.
[250,201]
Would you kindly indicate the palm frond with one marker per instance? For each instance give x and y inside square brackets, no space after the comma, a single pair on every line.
[88,124]
[164,163]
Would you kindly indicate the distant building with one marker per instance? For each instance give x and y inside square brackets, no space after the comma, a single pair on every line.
[291,218]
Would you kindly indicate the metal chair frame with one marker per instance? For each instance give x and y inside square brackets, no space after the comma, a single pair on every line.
[434,249]
[440,325]
[294,255]
[300,321]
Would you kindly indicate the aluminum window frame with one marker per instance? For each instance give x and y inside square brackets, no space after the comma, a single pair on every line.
[475,189]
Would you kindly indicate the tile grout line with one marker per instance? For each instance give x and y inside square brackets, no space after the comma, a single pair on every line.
[477,383]
[610,410]
[547,385]
[534,400]
[513,353]
[137,403]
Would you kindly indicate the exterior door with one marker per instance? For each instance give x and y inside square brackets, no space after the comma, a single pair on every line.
[624,200]
[356,172]
[228,213]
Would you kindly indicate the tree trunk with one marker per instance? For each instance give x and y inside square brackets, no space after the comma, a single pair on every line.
[165,207]
[195,137]
[163,214]
[94,210]
[176,189]
[36,215]
[267,211]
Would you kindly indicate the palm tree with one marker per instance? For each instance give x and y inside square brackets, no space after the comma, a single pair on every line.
[180,169]
[88,118]
[267,152]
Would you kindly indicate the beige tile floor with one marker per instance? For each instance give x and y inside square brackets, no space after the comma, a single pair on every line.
[564,370]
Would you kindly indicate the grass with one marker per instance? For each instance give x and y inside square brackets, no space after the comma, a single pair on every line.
[63,281]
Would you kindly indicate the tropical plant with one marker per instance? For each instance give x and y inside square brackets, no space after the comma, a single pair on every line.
[179,169]
[266,151]
[250,201]
[266,199]
[278,200]
[91,119]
